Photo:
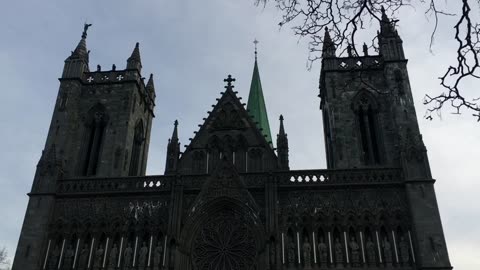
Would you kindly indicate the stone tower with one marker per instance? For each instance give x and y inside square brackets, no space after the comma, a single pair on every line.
[369,121]
[100,128]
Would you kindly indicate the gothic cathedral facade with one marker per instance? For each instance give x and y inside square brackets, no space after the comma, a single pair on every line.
[230,201]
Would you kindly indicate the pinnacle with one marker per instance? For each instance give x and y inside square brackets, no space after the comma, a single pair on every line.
[134,61]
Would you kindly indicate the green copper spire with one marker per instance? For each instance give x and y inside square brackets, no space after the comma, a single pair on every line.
[256,101]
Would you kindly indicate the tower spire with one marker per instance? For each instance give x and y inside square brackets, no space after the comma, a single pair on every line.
[77,63]
[173,151]
[328,45]
[81,51]
[256,101]
[282,147]
[134,61]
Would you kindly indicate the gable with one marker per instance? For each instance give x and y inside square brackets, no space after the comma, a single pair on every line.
[229,131]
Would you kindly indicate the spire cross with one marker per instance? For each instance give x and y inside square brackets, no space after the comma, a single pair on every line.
[255,41]
[229,81]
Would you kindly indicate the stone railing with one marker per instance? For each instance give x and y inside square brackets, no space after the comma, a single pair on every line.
[295,178]
[340,177]
[115,184]
[349,63]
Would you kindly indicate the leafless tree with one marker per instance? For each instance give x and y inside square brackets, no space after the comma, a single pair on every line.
[4,263]
[345,18]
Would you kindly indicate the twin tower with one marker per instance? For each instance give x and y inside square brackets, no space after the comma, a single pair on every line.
[230,195]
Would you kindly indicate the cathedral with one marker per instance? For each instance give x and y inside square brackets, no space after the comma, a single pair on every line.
[229,200]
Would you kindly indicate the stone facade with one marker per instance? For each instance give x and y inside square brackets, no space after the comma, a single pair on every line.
[230,200]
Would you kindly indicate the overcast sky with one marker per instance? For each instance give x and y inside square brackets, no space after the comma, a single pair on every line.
[190,46]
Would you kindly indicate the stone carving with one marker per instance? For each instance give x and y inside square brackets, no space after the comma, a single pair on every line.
[68,258]
[225,242]
[127,257]
[338,253]
[387,251]
[291,252]
[355,250]
[142,257]
[370,247]
[112,259]
[83,257]
[437,248]
[404,252]
[307,254]
[53,260]
[272,254]
[323,252]
[157,255]
[98,259]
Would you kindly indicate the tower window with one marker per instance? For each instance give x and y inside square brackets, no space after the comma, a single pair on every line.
[366,111]
[137,147]
[95,131]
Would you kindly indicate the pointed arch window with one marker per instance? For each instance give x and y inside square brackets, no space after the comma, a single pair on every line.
[137,146]
[366,111]
[93,139]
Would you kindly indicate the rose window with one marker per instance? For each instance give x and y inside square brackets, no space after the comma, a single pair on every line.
[225,242]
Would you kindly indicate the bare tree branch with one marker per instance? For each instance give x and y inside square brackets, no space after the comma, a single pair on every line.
[344,18]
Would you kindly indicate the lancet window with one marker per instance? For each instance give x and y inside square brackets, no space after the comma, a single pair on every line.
[137,147]
[93,139]
[366,111]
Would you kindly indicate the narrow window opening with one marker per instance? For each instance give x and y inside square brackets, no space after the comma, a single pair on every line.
[373,136]
[94,139]
[363,134]
[137,146]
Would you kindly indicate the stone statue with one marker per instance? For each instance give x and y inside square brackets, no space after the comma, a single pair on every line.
[112,258]
[370,246]
[291,253]
[98,260]
[338,252]
[272,254]
[53,260]
[355,249]
[142,257]
[387,250]
[307,254]
[83,258]
[127,257]
[323,252]
[365,49]
[68,258]
[404,252]
[157,256]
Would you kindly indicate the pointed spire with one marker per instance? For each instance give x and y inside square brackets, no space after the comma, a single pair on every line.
[77,63]
[256,103]
[81,49]
[134,61]
[387,28]
[175,131]
[328,45]
[173,151]
[150,85]
[282,147]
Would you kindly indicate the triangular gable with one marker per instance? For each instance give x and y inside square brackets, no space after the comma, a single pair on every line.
[229,114]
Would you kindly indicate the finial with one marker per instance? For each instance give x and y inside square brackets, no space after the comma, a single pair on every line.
[99,68]
[365,49]
[229,81]
[255,41]
[175,123]
[85,28]
[114,67]
[281,117]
